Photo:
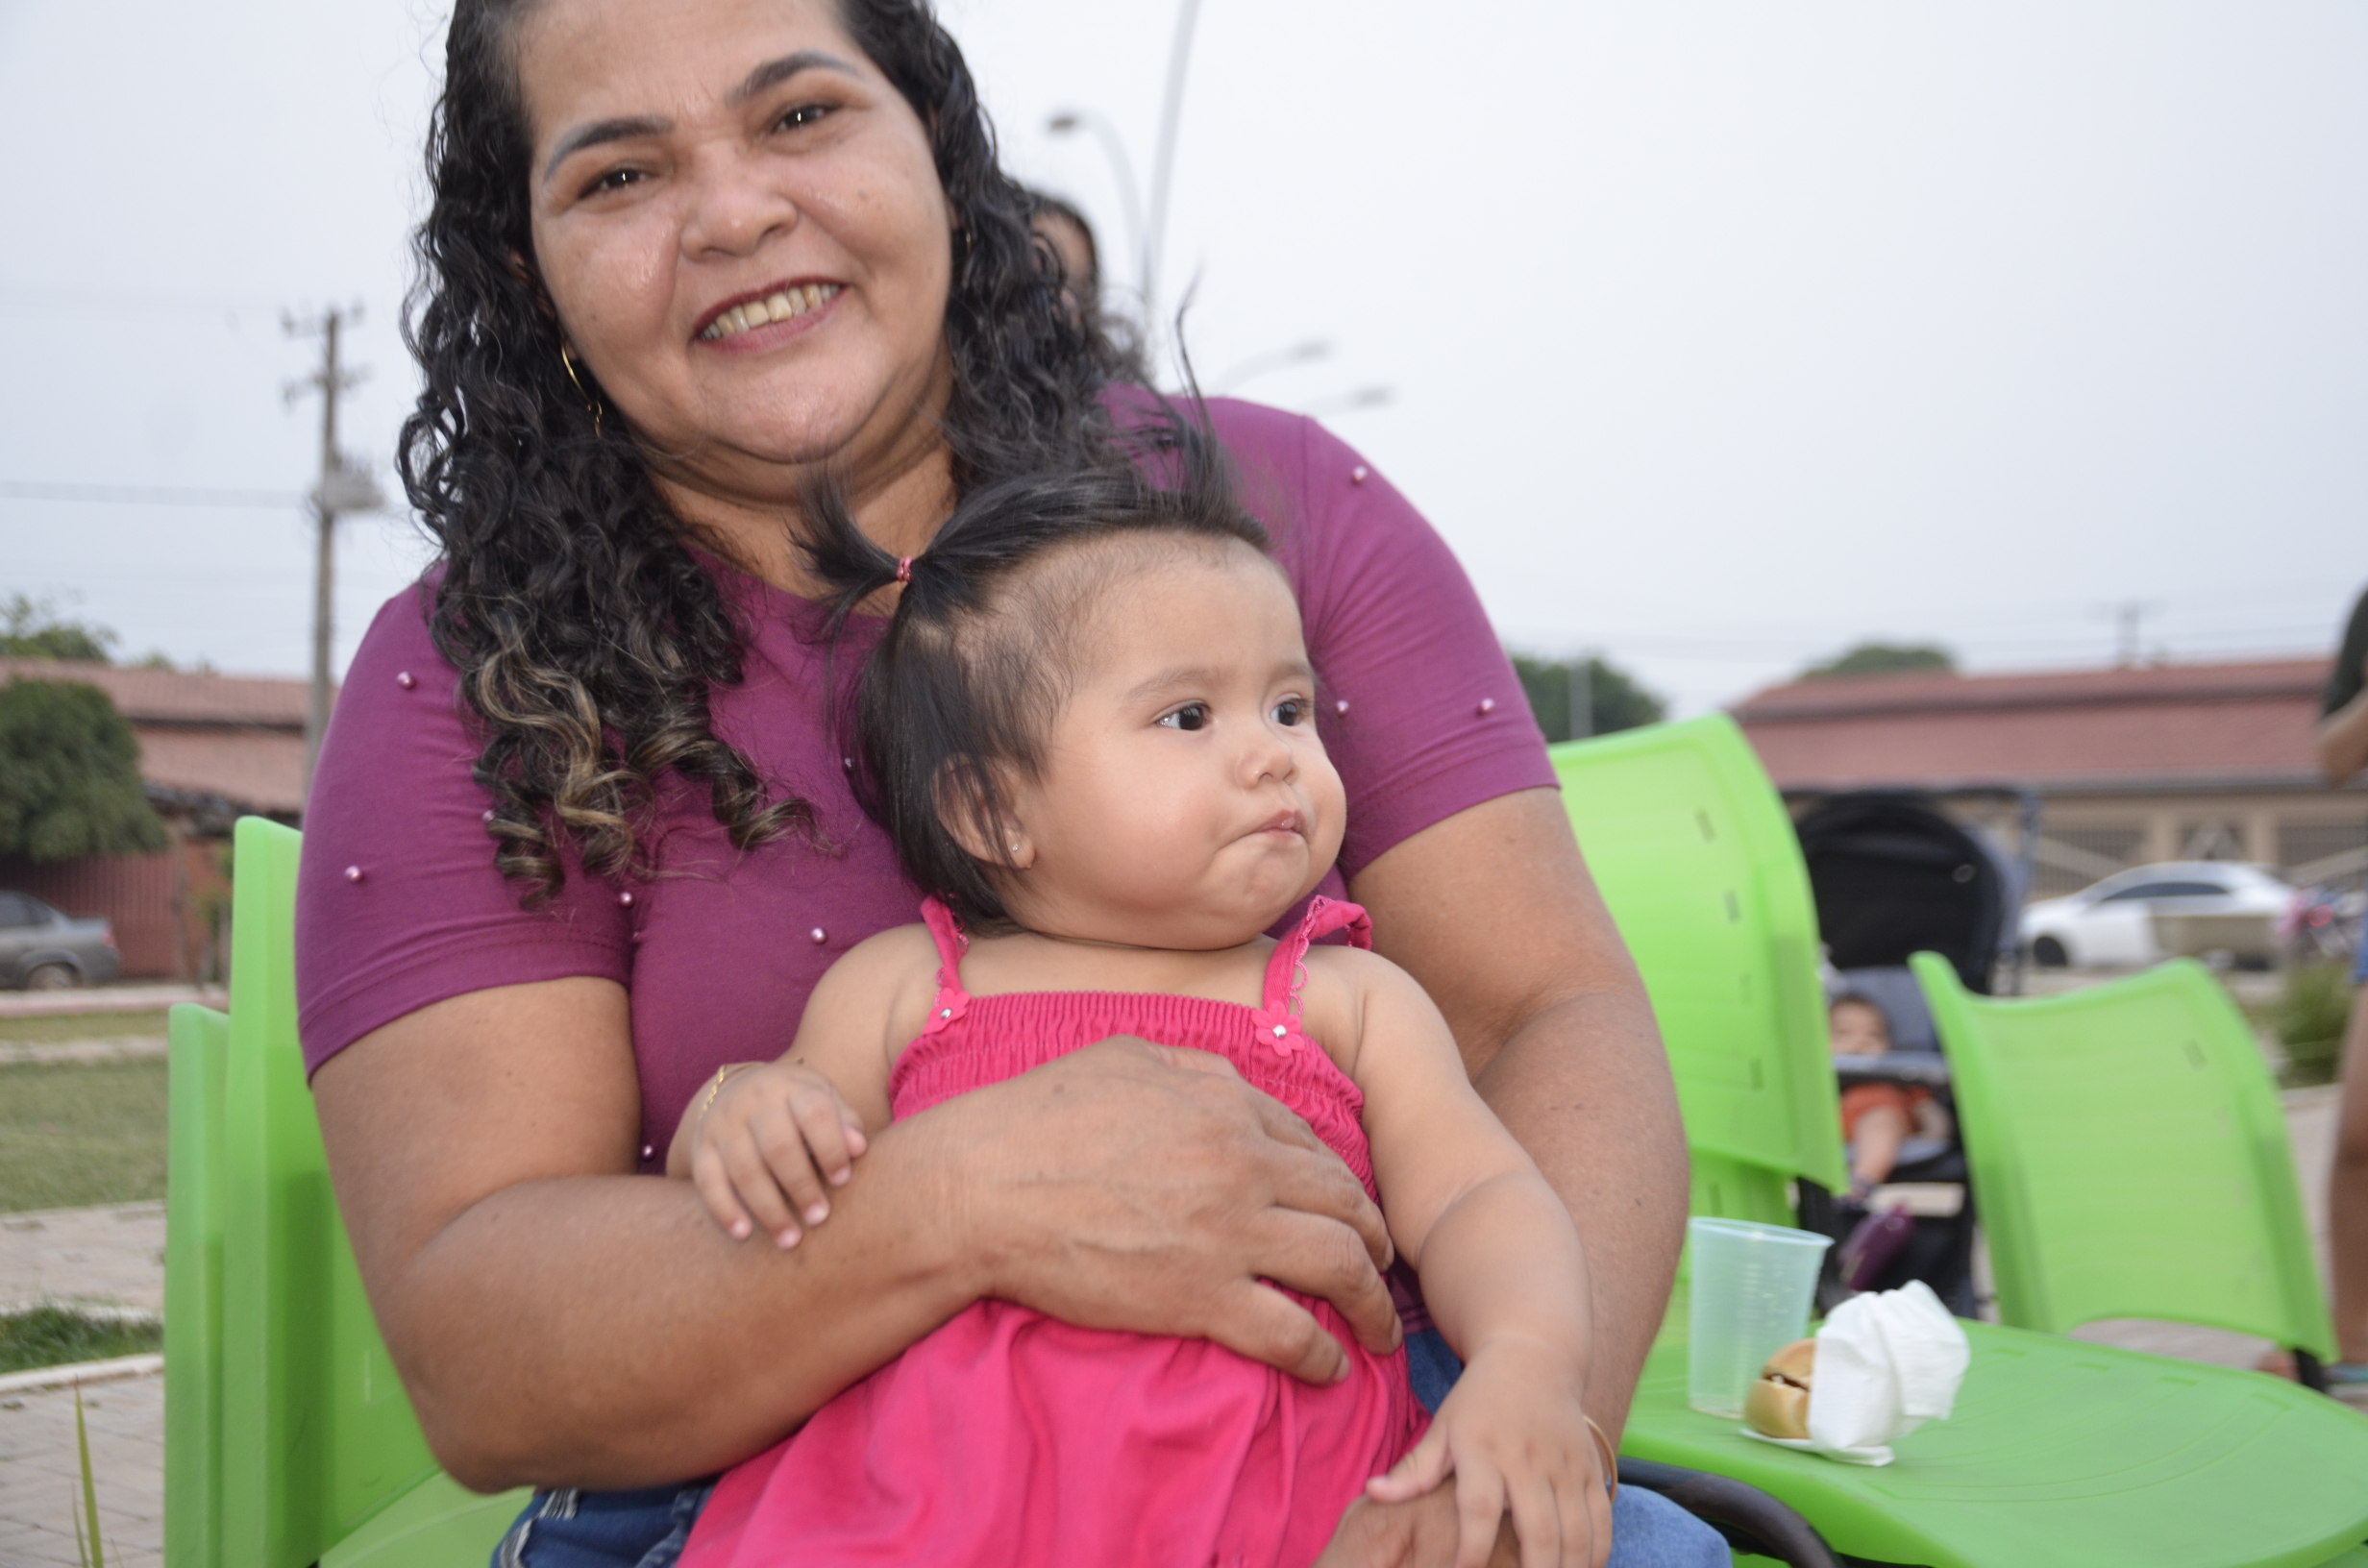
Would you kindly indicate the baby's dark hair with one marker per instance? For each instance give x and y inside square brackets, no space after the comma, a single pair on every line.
[977,661]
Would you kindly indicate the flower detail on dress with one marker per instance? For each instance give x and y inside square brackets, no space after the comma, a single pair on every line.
[950,1004]
[1278,1029]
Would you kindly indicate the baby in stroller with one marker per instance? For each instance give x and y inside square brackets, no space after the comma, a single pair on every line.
[1897,1126]
[1883,1122]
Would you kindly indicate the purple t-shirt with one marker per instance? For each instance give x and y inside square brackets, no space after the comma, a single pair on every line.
[398,905]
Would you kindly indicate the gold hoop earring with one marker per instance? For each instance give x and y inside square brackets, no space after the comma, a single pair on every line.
[567,363]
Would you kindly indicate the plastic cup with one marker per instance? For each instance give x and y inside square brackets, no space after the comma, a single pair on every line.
[1750,1297]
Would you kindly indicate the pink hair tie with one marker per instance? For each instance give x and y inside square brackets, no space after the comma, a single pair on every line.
[904,568]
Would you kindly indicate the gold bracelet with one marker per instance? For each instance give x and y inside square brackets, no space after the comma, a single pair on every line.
[717,1087]
[1611,1457]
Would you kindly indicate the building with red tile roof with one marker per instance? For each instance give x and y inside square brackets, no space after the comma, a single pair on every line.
[208,743]
[2163,762]
[211,749]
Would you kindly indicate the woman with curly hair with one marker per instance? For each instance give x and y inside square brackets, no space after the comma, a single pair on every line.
[584,834]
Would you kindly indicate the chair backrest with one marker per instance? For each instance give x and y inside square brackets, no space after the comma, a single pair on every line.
[287,1428]
[1695,855]
[2130,1157]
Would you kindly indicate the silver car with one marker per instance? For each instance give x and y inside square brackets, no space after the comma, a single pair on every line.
[43,950]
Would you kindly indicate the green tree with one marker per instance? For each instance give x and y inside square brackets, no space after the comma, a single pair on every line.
[30,629]
[1882,659]
[71,782]
[1616,701]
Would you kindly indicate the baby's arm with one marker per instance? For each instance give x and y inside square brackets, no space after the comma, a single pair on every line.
[1503,1275]
[1875,1125]
[765,1142]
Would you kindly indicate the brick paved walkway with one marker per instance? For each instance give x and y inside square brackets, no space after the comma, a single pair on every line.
[122,1048]
[40,1474]
[106,1256]
[112,1256]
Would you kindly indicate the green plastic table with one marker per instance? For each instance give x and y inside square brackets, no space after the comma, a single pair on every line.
[2062,1452]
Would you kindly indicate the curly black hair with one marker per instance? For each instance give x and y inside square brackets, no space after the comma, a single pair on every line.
[587,635]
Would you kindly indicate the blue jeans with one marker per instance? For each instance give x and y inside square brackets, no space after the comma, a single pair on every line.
[647,1529]
[2359,961]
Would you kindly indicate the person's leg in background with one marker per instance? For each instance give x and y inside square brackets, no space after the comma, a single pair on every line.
[1648,1530]
[2347,1192]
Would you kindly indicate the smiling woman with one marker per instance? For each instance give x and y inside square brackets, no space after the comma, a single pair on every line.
[587,831]
[658,211]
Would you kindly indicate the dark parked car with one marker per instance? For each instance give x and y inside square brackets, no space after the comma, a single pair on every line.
[42,950]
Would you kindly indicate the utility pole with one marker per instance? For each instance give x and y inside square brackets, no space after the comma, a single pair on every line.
[345,486]
[2130,617]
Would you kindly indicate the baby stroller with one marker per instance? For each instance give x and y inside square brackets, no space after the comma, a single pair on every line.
[1895,875]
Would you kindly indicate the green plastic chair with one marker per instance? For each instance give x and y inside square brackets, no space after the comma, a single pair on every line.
[2130,1156]
[1697,861]
[288,1438]
[2098,1455]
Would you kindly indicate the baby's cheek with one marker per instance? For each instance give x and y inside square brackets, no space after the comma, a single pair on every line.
[1329,803]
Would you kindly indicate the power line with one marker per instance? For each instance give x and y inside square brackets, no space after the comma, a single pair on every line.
[147,495]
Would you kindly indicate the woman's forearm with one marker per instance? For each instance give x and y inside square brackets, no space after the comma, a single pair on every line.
[1584,1088]
[558,1320]
[602,1332]
[580,1361]
[2343,741]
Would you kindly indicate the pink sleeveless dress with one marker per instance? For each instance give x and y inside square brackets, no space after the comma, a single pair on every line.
[1006,1439]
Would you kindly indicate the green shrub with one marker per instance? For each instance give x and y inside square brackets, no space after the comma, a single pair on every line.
[2311,1019]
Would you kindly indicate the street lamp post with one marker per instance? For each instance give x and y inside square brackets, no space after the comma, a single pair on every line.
[1150,231]
[1343,403]
[1259,364]
[1121,167]
[1163,157]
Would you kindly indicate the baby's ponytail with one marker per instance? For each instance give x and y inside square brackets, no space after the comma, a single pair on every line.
[962,691]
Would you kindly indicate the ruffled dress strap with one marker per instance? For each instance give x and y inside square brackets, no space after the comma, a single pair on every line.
[1275,1024]
[953,942]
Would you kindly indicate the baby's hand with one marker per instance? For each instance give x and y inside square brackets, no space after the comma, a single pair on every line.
[1515,1440]
[766,1149]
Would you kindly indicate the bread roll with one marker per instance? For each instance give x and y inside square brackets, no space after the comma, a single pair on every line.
[1776,1403]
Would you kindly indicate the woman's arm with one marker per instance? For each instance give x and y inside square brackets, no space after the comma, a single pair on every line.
[558,1322]
[1493,912]
[2343,739]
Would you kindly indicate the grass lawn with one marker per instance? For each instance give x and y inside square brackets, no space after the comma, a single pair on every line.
[77,1134]
[60,1336]
[58,1029]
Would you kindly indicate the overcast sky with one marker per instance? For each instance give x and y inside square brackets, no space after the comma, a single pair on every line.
[1716,335]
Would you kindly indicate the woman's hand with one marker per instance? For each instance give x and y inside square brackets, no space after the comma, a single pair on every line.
[1133,1187]
[1416,1534]
[765,1147]
[1514,1434]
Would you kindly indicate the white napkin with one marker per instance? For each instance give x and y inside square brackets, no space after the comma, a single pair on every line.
[1887,1364]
